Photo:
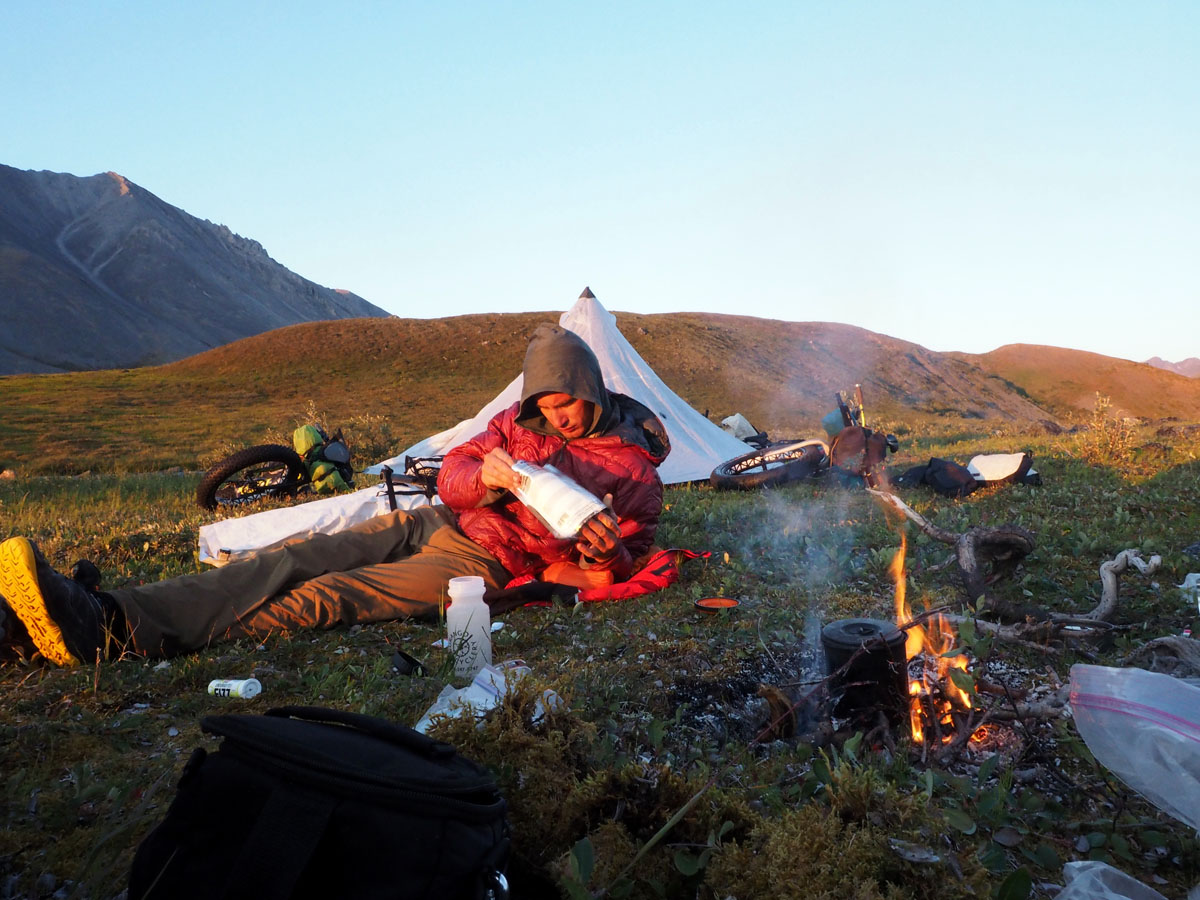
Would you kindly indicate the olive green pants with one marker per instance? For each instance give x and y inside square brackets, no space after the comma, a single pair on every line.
[390,567]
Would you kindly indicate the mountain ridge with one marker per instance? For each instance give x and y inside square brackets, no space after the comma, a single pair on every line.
[121,274]
[1189,367]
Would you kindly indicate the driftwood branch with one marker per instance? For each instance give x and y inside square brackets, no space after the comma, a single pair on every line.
[1000,549]
[1034,635]
[1108,580]
[1172,655]
[1004,548]
[1051,707]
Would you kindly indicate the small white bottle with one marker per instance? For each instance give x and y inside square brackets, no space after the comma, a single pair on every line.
[244,688]
[468,626]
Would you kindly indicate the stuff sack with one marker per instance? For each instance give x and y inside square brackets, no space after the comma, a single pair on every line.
[1004,468]
[327,458]
[310,803]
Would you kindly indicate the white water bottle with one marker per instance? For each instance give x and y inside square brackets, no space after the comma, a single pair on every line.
[468,626]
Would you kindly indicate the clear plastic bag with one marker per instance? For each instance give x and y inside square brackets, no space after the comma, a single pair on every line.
[1094,880]
[1145,727]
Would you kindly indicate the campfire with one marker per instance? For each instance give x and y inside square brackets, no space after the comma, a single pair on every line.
[938,705]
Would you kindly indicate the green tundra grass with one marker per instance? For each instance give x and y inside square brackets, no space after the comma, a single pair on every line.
[659,777]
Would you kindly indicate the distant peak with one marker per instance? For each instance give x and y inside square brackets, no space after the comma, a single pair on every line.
[587,294]
[121,182]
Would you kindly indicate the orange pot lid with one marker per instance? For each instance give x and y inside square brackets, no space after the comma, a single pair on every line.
[715,604]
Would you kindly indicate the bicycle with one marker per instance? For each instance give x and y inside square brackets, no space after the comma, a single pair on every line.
[853,453]
[315,461]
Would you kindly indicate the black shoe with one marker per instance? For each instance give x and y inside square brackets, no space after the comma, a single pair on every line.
[66,621]
[86,573]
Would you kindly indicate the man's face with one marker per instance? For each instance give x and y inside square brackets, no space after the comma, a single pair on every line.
[569,415]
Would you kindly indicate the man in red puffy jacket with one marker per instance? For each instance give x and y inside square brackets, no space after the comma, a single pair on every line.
[396,565]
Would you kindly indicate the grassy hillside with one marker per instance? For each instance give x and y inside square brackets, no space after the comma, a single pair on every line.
[1066,381]
[394,381]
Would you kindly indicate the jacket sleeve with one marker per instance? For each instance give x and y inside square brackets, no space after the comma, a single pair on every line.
[459,484]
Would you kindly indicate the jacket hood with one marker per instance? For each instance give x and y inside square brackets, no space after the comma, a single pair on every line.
[558,361]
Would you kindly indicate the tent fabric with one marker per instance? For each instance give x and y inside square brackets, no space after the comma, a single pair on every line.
[697,446]
[230,539]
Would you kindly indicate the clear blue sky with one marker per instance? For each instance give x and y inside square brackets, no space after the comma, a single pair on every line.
[961,175]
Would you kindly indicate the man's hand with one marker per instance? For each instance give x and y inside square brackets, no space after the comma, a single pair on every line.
[600,538]
[497,472]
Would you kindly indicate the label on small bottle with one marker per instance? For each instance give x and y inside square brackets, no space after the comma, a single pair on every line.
[242,688]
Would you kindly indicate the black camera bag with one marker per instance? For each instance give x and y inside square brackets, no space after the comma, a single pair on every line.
[307,803]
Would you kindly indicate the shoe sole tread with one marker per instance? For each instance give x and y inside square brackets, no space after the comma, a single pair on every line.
[19,586]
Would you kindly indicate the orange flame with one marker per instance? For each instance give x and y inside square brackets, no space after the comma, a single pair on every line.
[928,641]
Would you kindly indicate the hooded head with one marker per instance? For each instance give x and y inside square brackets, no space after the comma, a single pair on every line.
[559,362]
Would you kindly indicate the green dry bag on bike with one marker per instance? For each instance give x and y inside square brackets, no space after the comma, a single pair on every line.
[327,458]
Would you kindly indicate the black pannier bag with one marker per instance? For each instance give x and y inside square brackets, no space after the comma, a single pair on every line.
[312,804]
[945,476]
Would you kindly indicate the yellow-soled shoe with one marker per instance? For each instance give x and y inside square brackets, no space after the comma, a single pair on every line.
[20,587]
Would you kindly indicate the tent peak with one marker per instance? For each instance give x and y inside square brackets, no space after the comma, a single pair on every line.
[587,294]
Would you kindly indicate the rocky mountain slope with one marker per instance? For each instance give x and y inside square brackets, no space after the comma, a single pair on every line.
[99,273]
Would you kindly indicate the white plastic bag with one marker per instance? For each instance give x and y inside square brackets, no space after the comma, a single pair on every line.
[1094,880]
[1145,727]
[484,693]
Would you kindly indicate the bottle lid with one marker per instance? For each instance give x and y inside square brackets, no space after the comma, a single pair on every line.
[465,586]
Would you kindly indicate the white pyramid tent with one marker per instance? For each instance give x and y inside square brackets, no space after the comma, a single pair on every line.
[697,445]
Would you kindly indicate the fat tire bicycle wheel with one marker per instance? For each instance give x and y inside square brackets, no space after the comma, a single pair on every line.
[774,464]
[266,470]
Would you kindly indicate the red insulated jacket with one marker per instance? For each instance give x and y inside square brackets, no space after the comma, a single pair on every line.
[621,461]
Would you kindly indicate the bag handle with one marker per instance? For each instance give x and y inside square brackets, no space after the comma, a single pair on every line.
[380,728]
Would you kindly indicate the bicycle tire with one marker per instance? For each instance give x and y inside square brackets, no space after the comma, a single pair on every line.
[775,464]
[266,470]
